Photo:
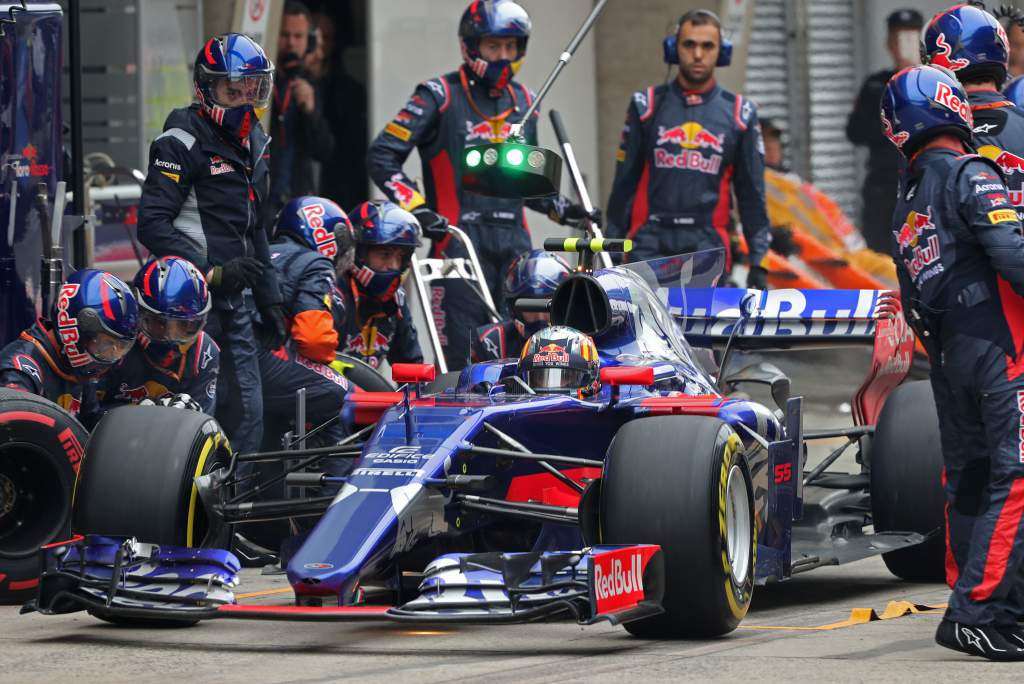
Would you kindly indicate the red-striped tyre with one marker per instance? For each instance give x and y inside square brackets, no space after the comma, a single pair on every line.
[41,446]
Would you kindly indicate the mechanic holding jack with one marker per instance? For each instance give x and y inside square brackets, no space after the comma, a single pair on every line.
[202,201]
[683,145]
[474,105]
[959,256]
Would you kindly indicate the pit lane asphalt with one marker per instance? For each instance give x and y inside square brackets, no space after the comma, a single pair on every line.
[782,637]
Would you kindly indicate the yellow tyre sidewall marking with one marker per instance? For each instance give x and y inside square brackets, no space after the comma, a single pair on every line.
[731,447]
[211,443]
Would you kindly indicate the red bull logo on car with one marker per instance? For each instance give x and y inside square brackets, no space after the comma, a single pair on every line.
[916,223]
[691,137]
[487,131]
[944,96]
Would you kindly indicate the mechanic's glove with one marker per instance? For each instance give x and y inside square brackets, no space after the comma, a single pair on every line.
[782,241]
[433,224]
[181,401]
[275,327]
[236,275]
[339,366]
[757,278]
[568,213]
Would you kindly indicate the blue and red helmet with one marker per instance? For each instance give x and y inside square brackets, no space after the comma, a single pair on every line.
[966,40]
[498,18]
[383,224]
[534,274]
[921,102]
[233,80]
[317,223]
[173,300]
[1014,91]
[96,319]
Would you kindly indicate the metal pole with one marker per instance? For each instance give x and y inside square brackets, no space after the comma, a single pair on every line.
[428,315]
[77,155]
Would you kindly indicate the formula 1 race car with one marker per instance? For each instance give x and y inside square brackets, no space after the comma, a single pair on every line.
[658,503]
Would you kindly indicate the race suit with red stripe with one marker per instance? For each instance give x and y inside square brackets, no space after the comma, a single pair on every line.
[33,363]
[681,157]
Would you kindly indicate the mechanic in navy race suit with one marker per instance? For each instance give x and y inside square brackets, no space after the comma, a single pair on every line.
[474,105]
[959,256]
[686,146]
[370,312]
[534,274]
[202,199]
[173,360]
[91,328]
[312,234]
[972,43]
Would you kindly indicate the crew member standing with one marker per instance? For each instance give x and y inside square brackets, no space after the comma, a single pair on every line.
[960,260]
[686,146]
[202,200]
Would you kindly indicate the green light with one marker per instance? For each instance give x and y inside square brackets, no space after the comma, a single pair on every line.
[514,156]
[473,158]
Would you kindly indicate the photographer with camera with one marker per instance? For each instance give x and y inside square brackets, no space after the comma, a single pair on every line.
[298,130]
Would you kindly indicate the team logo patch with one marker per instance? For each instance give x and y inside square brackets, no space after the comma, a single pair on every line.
[219,165]
[407,195]
[922,250]
[1007,161]
[1002,216]
[916,223]
[488,131]
[691,137]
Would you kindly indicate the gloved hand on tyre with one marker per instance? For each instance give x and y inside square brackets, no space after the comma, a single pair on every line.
[181,401]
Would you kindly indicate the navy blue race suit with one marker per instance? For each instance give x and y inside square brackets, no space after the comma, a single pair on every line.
[681,152]
[33,363]
[149,371]
[960,260]
[501,340]
[372,331]
[307,284]
[999,135]
[442,117]
[202,201]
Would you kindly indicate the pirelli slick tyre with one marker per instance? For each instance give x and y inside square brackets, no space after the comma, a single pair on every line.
[137,478]
[40,453]
[681,482]
[906,481]
[364,376]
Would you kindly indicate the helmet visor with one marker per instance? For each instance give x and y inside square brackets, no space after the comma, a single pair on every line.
[105,348]
[554,379]
[253,89]
[173,330]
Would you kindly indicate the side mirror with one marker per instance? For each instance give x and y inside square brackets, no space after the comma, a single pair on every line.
[511,170]
[412,372]
[616,376]
[764,374]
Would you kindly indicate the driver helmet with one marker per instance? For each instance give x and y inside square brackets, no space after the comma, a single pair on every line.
[378,224]
[233,80]
[493,18]
[316,223]
[561,360]
[921,102]
[173,301]
[534,274]
[96,318]
[968,41]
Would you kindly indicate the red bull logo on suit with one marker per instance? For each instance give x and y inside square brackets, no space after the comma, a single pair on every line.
[692,137]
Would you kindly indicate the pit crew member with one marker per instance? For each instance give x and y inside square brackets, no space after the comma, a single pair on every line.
[91,328]
[561,360]
[202,200]
[534,274]
[972,43]
[960,260]
[476,104]
[173,360]
[371,314]
[684,145]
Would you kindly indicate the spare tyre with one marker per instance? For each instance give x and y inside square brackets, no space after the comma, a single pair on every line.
[41,448]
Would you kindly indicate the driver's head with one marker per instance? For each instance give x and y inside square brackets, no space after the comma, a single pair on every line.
[173,302]
[561,360]
[533,275]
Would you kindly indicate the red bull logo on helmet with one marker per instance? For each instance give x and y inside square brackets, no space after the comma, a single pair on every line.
[897,139]
[67,327]
[916,223]
[551,353]
[941,58]
[487,131]
[324,239]
[945,96]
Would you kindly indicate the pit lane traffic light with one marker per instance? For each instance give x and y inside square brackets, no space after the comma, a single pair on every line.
[511,170]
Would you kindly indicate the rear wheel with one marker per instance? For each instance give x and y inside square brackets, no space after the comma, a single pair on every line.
[681,482]
[40,452]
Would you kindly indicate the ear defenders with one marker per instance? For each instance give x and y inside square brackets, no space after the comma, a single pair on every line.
[669,46]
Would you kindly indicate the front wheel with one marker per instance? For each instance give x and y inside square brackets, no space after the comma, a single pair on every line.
[681,482]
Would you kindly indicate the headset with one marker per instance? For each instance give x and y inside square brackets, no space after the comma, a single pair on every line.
[671,54]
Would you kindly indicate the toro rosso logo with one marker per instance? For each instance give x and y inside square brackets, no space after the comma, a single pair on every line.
[944,96]
[67,327]
[692,137]
[941,58]
[908,234]
[487,132]
[324,239]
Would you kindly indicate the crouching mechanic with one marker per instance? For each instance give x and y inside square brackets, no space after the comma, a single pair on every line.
[534,274]
[312,234]
[371,314]
[561,360]
[960,260]
[92,327]
[173,362]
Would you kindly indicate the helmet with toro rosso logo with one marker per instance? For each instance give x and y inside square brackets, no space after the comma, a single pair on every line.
[317,223]
[174,301]
[233,80]
[968,41]
[95,318]
[922,102]
[561,360]
[379,225]
[493,18]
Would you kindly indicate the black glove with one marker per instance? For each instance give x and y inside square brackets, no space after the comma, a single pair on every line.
[782,241]
[275,327]
[757,278]
[433,224]
[236,275]
[568,213]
